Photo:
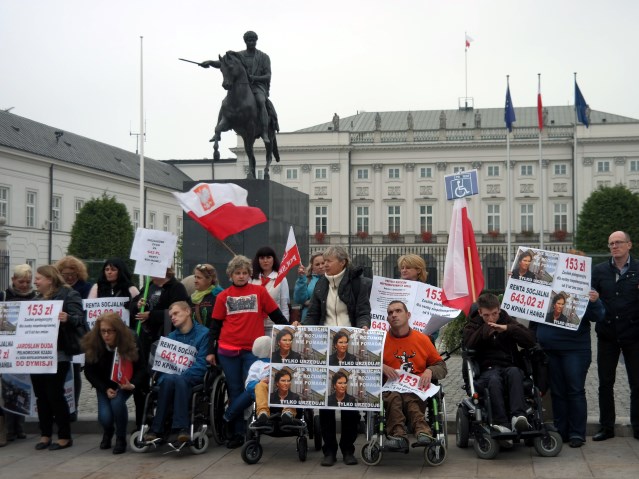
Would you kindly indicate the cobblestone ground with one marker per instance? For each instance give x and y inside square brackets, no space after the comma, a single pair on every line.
[452,385]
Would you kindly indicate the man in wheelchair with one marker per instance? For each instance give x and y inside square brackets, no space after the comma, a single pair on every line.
[494,337]
[408,350]
[175,389]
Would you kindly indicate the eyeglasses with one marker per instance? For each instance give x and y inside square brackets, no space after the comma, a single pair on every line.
[612,244]
[107,331]
[204,267]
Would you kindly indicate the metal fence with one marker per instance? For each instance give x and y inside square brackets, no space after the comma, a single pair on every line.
[382,260]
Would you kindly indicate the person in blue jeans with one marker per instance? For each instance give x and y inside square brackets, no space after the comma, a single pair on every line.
[175,389]
[110,336]
[259,370]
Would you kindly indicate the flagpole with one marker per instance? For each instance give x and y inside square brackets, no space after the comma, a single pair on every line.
[228,248]
[509,173]
[574,168]
[472,274]
[541,170]
[142,219]
[466,67]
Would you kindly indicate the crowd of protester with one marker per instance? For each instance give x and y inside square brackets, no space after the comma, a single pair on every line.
[230,333]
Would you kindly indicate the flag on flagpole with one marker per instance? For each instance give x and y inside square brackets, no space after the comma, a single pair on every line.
[540,114]
[463,277]
[291,258]
[468,41]
[122,369]
[220,208]
[582,107]
[509,111]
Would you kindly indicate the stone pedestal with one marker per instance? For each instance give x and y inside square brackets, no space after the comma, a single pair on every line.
[283,206]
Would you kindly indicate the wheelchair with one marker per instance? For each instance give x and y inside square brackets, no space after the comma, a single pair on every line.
[377,442]
[307,425]
[474,414]
[208,402]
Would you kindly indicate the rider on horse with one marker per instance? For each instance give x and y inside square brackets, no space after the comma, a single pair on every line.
[258,68]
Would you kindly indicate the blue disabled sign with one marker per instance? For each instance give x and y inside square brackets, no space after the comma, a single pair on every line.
[461,185]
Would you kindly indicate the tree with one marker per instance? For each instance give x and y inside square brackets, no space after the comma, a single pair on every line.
[102,230]
[606,210]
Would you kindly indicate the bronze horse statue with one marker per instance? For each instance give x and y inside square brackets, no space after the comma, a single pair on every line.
[239,112]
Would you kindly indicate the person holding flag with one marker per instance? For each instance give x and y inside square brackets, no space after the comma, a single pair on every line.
[111,343]
[265,273]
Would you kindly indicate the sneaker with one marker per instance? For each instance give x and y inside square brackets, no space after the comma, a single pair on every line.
[184,435]
[150,436]
[520,423]
[287,418]
[424,438]
[262,419]
[397,442]
[500,428]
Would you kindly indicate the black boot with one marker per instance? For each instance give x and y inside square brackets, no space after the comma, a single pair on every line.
[120,445]
[106,439]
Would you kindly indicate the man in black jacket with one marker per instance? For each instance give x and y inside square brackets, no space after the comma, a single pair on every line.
[495,338]
[617,282]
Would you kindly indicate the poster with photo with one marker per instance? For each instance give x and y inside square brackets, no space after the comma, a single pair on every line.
[305,360]
[548,287]
[423,301]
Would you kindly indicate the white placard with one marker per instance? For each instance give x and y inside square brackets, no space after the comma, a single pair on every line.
[408,383]
[96,307]
[153,252]
[173,357]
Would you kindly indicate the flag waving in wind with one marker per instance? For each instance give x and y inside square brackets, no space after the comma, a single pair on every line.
[583,110]
[509,111]
[291,258]
[463,277]
[468,41]
[221,208]
[540,113]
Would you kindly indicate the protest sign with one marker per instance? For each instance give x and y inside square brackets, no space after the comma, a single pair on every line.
[29,341]
[422,300]
[548,287]
[153,252]
[409,383]
[173,357]
[306,359]
[96,307]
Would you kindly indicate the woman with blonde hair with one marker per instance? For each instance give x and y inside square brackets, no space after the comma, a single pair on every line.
[49,388]
[412,267]
[110,336]
[207,288]
[75,274]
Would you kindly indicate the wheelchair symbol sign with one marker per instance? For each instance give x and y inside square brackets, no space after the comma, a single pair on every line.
[461,185]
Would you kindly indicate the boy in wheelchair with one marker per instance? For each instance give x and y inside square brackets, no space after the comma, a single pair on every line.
[495,337]
[175,389]
[408,350]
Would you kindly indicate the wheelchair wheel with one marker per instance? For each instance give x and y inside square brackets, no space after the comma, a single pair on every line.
[135,443]
[219,399]
[317,433]
[435,454]
[371,453]
[200,443]
[549,445]
[302,448]
[251,452]
[462,428]
[486,447]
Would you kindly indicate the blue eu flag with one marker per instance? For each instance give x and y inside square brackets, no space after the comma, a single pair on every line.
[509,113]
[582,107]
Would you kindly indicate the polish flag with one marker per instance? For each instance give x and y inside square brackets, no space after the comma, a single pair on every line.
[463,277]
[468,41]
[540,113]
[122,369]
[221,208]
[291,258]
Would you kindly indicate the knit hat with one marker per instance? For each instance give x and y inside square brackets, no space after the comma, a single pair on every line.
[262,347]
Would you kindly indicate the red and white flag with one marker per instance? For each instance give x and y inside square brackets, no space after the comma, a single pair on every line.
[540,113]
[122,369]
[221,208]
[468,41]
[291,258]
[463,277]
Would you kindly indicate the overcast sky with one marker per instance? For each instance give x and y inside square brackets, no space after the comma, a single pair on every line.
[75,64]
